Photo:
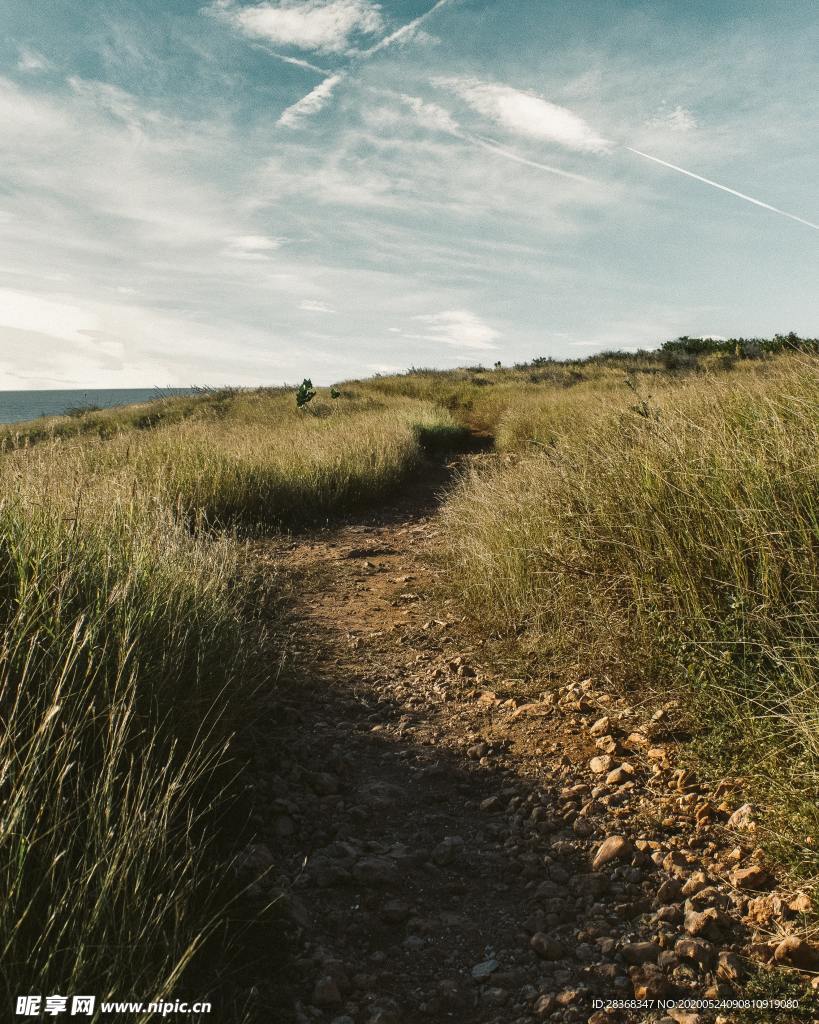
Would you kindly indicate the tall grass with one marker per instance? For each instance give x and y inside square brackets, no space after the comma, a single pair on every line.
[673,543]
[126,654]
[295,468]
[119,635]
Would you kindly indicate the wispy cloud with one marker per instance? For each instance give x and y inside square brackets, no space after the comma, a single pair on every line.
[252,247]
[458,327]
[527,114]
[310,104]
[32,61]
[324,26]
[680,119]
[313,306]
[115,102]
[430,115]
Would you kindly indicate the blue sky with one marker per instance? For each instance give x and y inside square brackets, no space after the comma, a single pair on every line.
[232,192]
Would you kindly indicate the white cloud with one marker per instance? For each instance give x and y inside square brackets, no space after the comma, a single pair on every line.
[115,102]
[458,327]
[321,25]
[680,119]
[431,115]
[310,104]
[525,113]
[313,306]
[31,60]
[252,247]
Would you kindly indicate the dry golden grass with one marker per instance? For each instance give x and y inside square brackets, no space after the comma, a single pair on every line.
[669,541]
[126,650]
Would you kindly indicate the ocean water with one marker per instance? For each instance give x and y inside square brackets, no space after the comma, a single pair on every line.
[27,405]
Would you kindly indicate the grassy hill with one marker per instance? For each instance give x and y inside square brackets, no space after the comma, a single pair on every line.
[652,517]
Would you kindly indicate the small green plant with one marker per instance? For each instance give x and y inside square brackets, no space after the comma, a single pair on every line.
[335,393]
[306,393]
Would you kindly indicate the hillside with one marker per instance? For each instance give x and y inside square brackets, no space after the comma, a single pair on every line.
[325,709]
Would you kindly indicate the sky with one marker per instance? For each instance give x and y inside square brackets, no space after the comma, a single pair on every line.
[241,193]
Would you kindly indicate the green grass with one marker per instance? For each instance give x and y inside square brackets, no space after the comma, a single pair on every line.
[119,641]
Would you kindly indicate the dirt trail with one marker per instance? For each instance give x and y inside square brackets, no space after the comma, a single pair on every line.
[436,825]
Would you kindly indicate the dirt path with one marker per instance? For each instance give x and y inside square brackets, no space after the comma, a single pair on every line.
[457,846]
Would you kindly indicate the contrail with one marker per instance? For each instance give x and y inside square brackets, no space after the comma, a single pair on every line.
[493,147]
[295,61]
[303,106]
[724,188]
[405,30]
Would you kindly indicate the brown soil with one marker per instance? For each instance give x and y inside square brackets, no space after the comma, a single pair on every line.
[433,823]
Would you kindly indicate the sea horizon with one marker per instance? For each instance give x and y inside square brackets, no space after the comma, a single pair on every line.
[17,406]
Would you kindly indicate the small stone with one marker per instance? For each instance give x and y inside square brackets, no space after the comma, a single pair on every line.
[670,891]
[376,871]
[671,913]
[326,993]
[491,804]
[607,744]
[614,848]
[601,726]
[636,739]
[763,909]
[699,951]
[620,775]
[323,783]
[284,826]
[395,911]
[447,851]
[386,1014]
[494,996]
[742,819]
[675,864]
[648,982]
[797,952]
[600,764]
[695,883]
[546,947]
[640,952]
[535,709]
[707,923]
[729,966]
[684,1017]
[481,971]
[544,1006]
[752,877]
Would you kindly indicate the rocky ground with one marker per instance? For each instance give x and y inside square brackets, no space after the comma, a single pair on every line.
[457,846]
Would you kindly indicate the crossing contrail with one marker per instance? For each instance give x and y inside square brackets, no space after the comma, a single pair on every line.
[724,188]
[405,30]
